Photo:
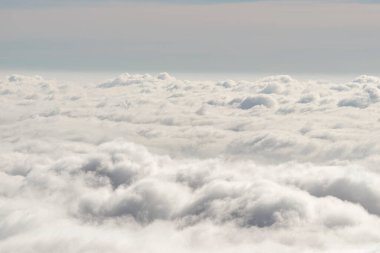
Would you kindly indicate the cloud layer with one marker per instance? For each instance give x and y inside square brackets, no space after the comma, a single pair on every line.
[144,163]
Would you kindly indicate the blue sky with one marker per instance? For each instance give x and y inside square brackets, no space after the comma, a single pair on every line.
[148,36]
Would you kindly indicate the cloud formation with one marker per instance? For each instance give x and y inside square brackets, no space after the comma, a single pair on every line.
[145,163]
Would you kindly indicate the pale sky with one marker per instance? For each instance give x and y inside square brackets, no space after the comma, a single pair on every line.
[333,37]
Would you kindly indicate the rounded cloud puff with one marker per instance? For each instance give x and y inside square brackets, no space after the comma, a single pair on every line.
[250,102]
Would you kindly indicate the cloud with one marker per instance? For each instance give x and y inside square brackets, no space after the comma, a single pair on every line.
[275,164]
[251,102]
[127,79]
[163,195]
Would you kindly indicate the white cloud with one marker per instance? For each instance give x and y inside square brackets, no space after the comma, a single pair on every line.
[147,163]
[251,102]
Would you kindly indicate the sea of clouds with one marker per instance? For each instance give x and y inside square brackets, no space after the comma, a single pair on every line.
[145,163]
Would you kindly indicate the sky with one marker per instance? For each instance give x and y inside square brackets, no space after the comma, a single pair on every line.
[151,161]
[331,37]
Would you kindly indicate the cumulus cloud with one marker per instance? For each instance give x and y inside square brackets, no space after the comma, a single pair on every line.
[145,163]
[251,102]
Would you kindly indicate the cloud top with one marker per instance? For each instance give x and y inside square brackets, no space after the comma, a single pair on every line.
[275,164]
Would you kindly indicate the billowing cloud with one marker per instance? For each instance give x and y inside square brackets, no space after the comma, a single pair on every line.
[152,163]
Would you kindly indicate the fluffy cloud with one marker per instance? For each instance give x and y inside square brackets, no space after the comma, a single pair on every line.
[251,102]
[147,163]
